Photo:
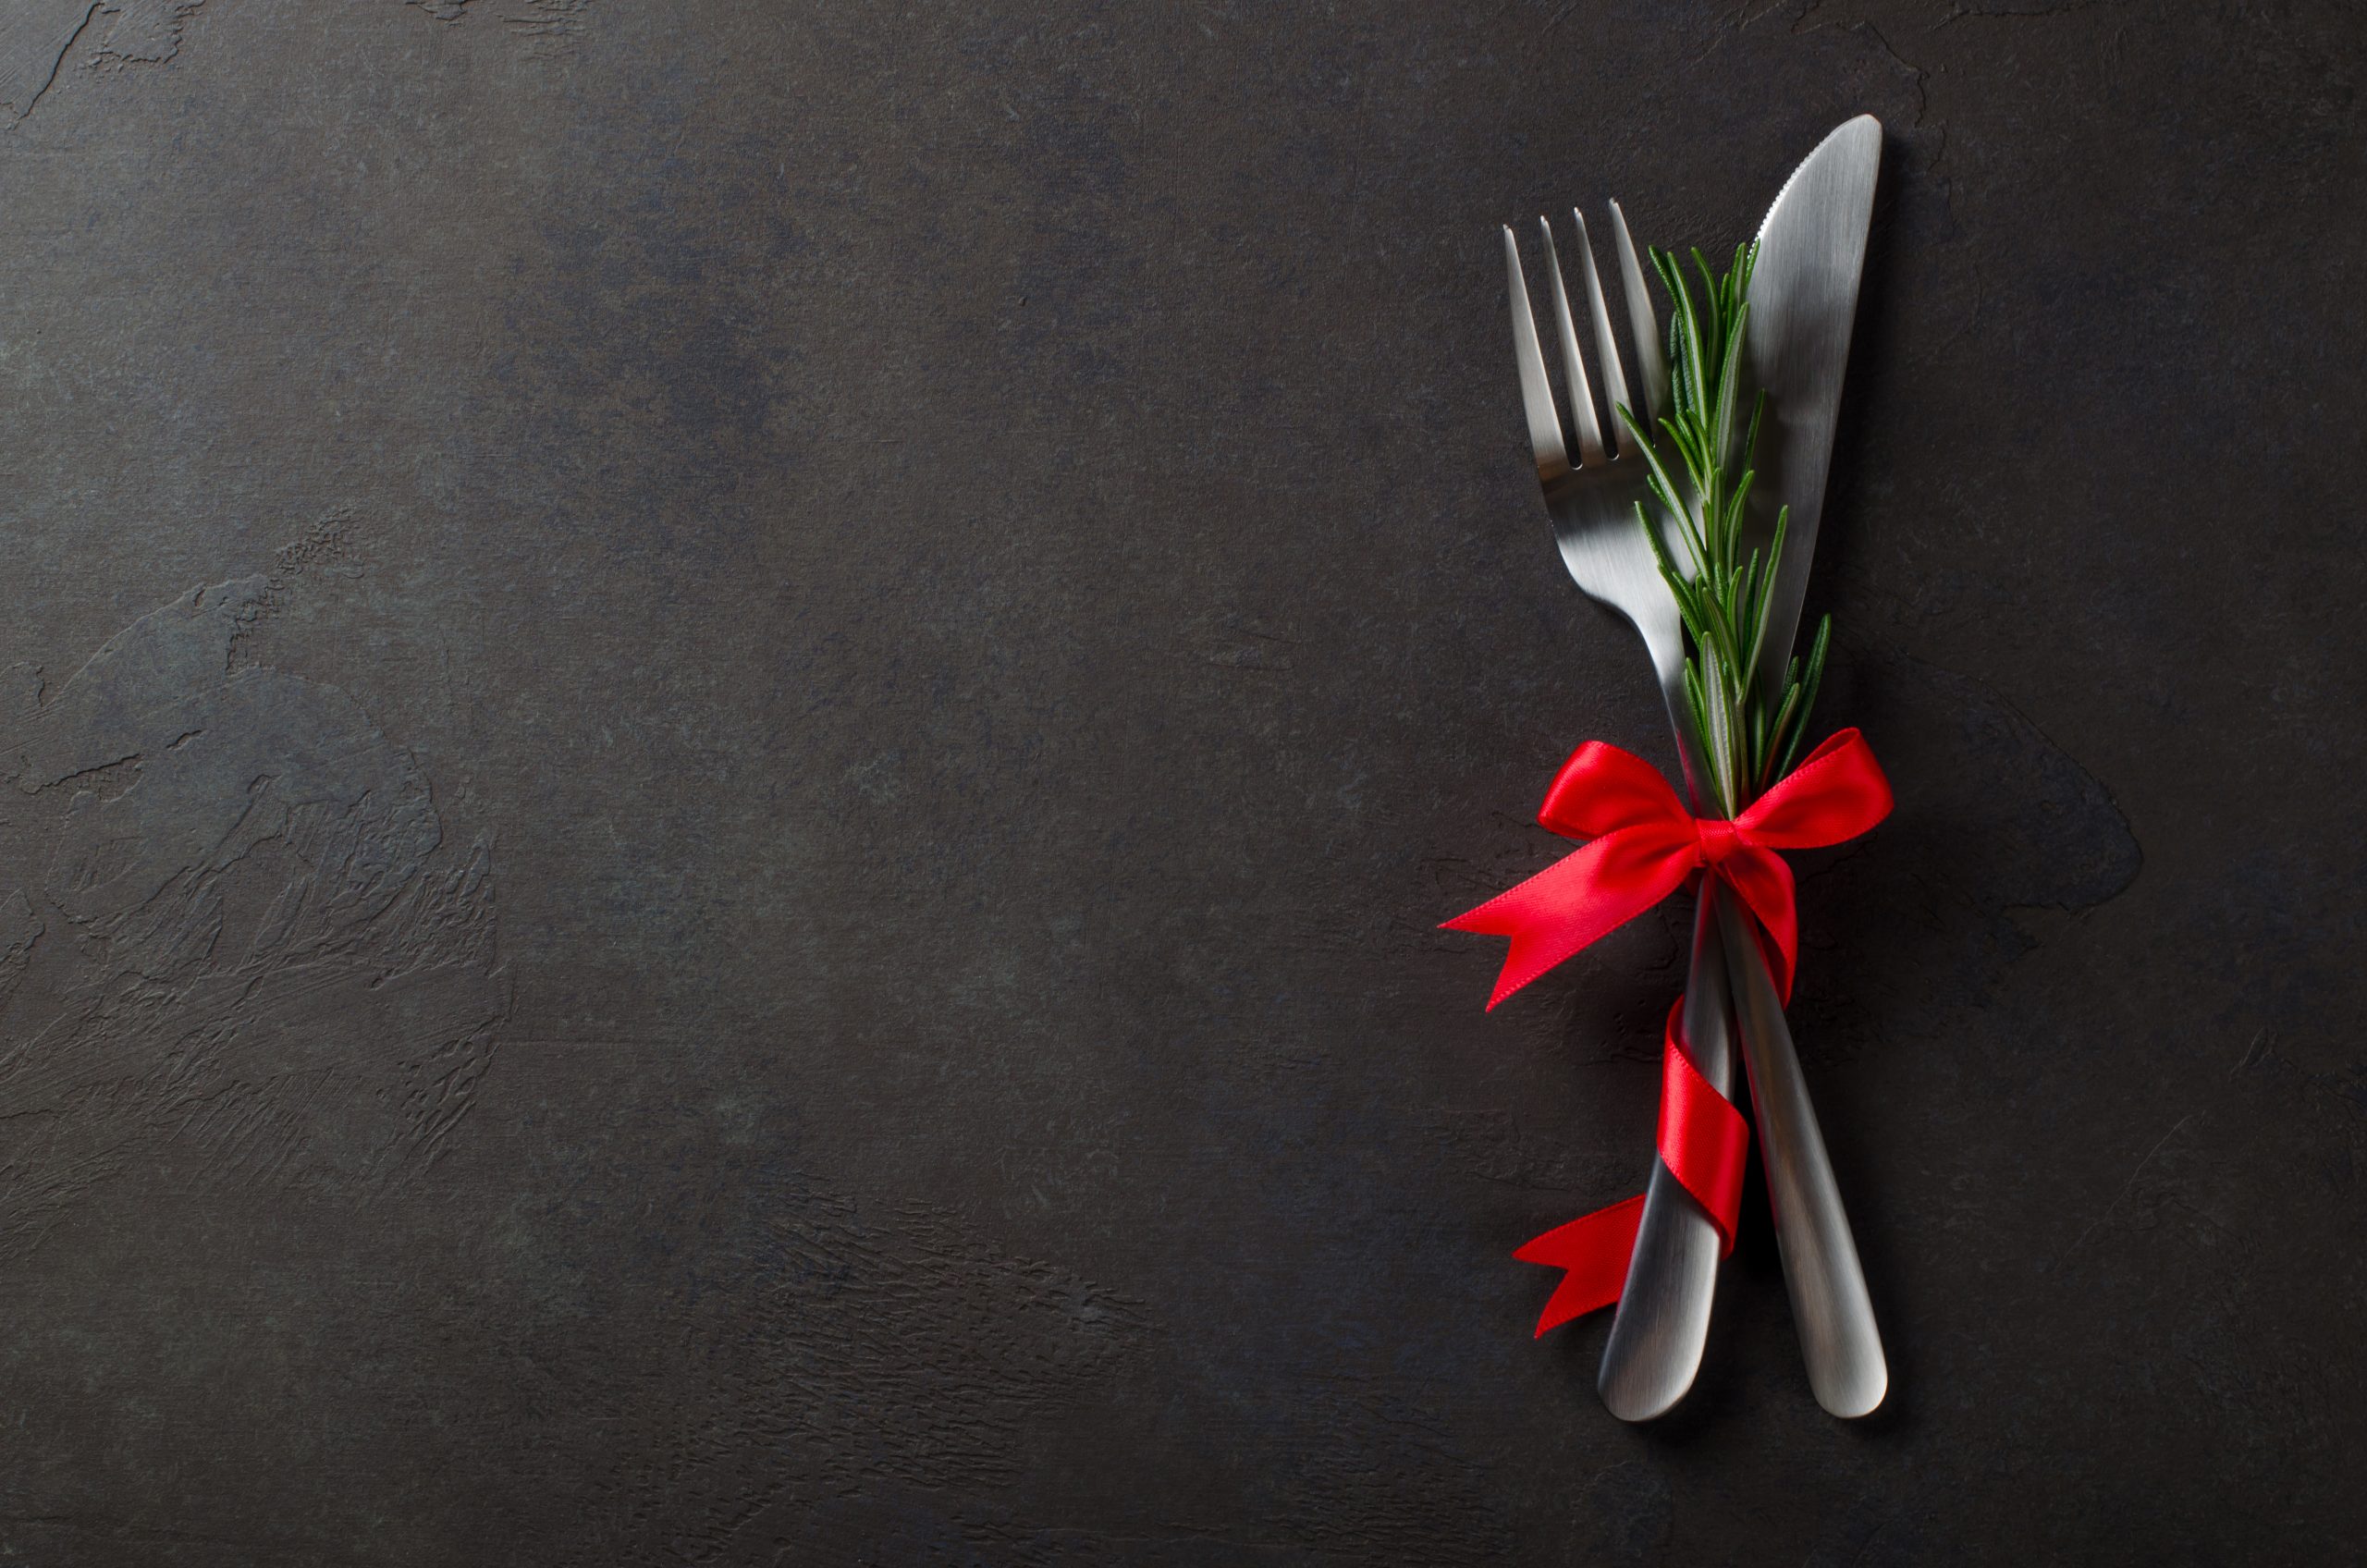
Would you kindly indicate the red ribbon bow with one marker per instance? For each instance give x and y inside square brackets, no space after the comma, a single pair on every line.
[1644,845]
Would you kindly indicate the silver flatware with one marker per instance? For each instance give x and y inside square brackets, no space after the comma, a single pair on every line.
[1663,1320]
[1812,249]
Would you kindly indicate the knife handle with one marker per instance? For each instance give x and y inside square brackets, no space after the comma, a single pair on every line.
[1843,1348]
[1662,1322]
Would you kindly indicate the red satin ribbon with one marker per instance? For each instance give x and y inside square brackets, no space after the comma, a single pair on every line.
[1644,845]
[1704,1142]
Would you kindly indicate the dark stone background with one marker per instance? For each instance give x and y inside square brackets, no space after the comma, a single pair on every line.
[736,730]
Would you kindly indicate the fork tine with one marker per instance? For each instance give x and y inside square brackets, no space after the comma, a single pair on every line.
[1614,383]
[1573,366]
[1652,369]
[1536,392]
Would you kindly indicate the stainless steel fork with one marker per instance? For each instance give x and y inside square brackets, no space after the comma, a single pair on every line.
[1663,1316]
[1663,1319]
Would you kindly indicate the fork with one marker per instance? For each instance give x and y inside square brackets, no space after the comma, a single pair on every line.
[1663,1319]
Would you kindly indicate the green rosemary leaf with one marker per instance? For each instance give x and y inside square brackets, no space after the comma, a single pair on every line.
[1729,379]
[1765,598]
[1751,599]
[1688,322]
[1732,520]
[1718,732]
[1807,692]
[1780,729]
[1663,489]
[1696,460]
[1693,698]
[1660,550]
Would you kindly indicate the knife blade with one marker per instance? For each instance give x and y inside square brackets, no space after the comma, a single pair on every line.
[1803,303]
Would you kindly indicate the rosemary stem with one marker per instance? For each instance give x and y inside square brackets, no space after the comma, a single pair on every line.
[1745,742]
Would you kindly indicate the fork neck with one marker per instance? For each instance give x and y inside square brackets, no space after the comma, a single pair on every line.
[1668,662]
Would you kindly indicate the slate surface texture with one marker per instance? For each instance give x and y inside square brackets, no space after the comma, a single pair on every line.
[732,733]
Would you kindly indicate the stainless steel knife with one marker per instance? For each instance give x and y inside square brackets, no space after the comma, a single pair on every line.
[1803,303]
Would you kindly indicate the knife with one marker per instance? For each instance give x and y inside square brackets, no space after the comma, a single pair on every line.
[1803,300]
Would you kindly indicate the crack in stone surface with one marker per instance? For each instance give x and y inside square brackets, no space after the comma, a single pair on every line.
[248,933]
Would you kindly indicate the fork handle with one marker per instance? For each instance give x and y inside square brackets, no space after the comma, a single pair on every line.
[1843,1348]
[1662,1321]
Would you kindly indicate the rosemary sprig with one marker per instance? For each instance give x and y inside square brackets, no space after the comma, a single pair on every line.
[1722,594]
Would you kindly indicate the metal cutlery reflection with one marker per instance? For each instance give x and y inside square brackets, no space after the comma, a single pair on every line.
[1803,305]
[1661,1323]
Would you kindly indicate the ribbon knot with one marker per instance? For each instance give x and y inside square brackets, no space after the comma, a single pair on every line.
[1643,844]
[1718,839]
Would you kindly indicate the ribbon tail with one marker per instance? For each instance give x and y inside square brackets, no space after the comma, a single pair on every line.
[1763,882]
[1582,896]
[1593,1250]
[1703,1141]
